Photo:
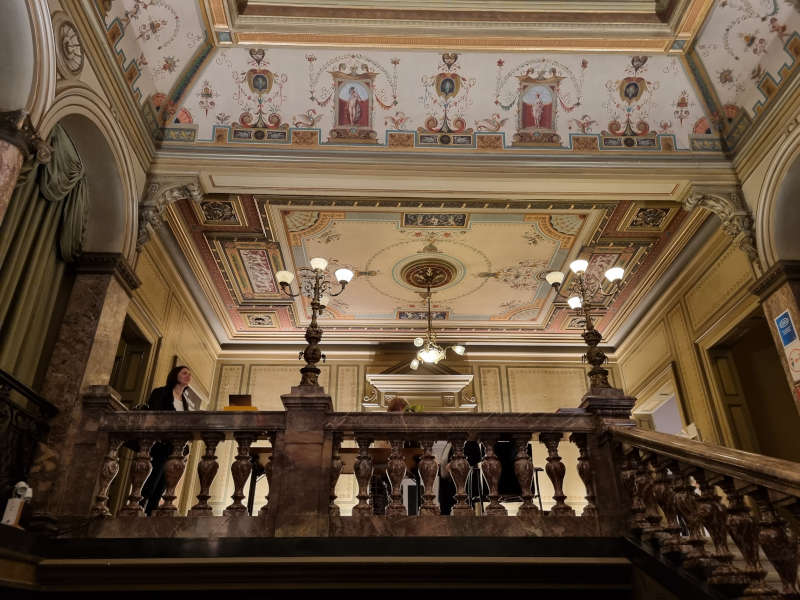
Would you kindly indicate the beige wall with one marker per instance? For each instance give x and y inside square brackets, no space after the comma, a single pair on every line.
[708,299]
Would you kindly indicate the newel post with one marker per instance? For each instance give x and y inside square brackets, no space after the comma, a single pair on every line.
[610,406]
[301,478]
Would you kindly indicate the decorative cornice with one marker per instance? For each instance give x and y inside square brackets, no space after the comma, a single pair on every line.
[158,194]
[781,272]
[16,128]
[109,263]
[728,204]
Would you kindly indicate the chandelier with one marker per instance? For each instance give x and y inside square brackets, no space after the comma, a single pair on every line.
[429,351]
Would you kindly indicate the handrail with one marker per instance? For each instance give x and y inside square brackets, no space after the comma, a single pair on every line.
[166,422]
[416,423]
[774,473]
[47,409]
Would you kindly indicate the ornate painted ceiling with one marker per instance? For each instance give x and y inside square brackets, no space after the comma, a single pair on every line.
[492,261]
[636,82]
[531,77]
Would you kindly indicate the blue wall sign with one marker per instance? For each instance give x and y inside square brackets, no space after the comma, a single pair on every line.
[786,328]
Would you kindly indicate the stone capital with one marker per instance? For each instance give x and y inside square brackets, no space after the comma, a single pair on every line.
[16,129]
[728,204]
[161,191]
[112,263]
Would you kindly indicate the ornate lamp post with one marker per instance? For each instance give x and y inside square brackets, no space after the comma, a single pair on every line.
[429,350]
[316,285]
[579,298]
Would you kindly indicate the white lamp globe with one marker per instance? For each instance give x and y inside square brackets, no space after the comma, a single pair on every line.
[284,277]
[615,273]
[318,263]
[578,266]
[554,277]
[574,302]
[418,342]
[459,349]
[414,364]
[343,275]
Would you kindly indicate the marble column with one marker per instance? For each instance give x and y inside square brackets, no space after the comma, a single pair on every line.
[18,141]
[83,356]
[779,291]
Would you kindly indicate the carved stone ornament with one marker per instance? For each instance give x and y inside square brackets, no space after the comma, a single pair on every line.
[159,193]
[16,128]
[730,207]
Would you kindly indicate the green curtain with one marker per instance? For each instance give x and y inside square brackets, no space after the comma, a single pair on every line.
[43,230]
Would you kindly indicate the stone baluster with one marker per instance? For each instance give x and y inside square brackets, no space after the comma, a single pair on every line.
[363,473]
[688,507]
[555,470]
[173,471]
[428,469]
[492,469]
[743,530]
[585,472]
[645,483]
[206,471]
[140,469]
[778,542]
[240,469]
[268,470]
[458,467]
[629,477]
[723,576]
[396,470]
[523,469]
[336,470]
[669,534]
[108,472]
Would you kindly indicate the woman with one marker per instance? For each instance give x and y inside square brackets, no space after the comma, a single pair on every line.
[170,397]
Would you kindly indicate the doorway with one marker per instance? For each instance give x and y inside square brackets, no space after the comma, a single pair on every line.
[755,395]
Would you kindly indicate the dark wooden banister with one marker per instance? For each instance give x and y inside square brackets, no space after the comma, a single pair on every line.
[773,473]
[46,409]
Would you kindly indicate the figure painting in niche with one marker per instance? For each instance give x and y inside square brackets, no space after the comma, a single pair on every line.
[537,107]
[353,104]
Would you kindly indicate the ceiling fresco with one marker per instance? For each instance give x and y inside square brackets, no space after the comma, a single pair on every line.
[202,82]
[492,261]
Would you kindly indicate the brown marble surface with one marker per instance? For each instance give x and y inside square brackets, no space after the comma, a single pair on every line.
[169,527]
[10,165]
[774,473]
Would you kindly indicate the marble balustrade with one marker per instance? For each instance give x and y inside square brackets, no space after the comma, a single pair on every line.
[688,499]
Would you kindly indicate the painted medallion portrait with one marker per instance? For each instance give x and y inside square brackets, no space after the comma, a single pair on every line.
[259,81]
[447,85]
[537,107]
[353,109]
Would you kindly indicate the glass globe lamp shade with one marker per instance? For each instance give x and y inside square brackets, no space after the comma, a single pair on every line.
[414,364]
[418,342]
[554,278]
[284,277]
[578,266]
[574,302]
[343,275]
[318,264]
[615,273]
[459,349]
[430,354]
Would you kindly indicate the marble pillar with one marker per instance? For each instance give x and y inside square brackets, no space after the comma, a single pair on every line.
[83,356]
[18,141]
[300,492]
[779,291]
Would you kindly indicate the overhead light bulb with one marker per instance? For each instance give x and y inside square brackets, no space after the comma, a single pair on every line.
[414,364]
[284,277]
[343,275]
[318,264]
[459,349]
[418,341]
[574,302]
[431,354]
[578,266]
[615,273]
[554,277]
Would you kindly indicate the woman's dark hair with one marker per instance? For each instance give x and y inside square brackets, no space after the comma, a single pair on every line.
[172,378]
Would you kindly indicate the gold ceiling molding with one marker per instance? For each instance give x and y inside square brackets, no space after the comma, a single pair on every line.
[516,44]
